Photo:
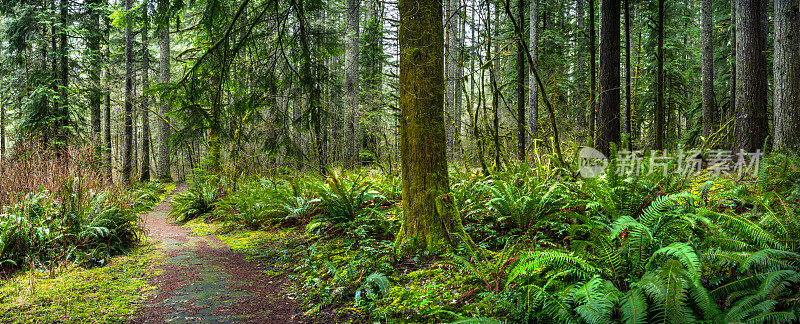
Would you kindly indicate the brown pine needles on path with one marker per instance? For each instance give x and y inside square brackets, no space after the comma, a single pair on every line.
[202,280]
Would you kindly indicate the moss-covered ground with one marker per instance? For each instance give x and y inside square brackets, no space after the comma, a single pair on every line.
[105,294]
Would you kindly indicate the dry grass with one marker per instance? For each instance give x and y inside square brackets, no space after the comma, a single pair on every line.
[33,166]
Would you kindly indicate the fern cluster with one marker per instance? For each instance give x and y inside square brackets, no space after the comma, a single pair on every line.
[71,226]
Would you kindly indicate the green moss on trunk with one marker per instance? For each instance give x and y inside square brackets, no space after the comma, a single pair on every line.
[431,222]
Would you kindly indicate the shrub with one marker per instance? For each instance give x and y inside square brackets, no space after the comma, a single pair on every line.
[199,199]
[72,226]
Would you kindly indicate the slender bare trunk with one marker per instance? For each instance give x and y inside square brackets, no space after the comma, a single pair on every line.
[751,76]
[128,118]
[659,109]
[786,71]
[352,82]
[592,74]
[521,125]
[533,91]
[164,131]
[628,107]
[145,175]
[608,102]
[709,108]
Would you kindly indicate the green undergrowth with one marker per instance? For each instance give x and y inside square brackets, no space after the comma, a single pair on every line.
[108,294]
[551,248]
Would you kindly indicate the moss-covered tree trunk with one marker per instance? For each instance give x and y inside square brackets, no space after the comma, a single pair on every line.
[431,220]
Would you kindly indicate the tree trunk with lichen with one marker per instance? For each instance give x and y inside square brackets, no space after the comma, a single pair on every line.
[787,75]
[431,221]
[751,76]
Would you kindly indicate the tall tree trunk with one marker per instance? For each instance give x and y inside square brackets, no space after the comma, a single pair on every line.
[453,115]
[352,82]
[2,132]
[127,150]
[786,79]
[751,76]
[592,74]
[628,107]
[93,45]
[731,113]
[164,131]
[495,88]
[580,69]
[521,125]
[431,220]
[659,108]
[533,91]
[310,83]
[709,109]
[64,70]
[608,101]
[145,175]
[107,97]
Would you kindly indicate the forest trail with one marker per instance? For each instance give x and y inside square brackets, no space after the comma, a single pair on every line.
[202,280]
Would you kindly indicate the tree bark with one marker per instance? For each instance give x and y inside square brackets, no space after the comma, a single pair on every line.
[709,108]
[127,150]
[493,62]
[580,69]
[107,98]
[732,94]
[751,76]
[64,71]
[145,174]
[431,222]
[453,90]
[786,80]
[164,130]
[352,82]
[628,107]
[93,46]
[533,91]
[659,108]
[608,108]
[2,132]
[592,74]
[521,125]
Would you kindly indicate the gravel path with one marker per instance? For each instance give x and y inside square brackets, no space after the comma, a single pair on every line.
[202,281]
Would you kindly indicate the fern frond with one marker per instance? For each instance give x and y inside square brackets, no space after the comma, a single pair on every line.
[681,252]
[539,261]
[634,307]
[768,260]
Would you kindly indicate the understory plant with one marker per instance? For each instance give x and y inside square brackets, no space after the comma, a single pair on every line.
[71,226]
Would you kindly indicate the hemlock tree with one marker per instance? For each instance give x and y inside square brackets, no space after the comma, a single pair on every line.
[94,36]
[453,90]
[521,130]
[351,80]
[592,75]
[163,166]
[127,150]
[431,220]
[732,94]
[751,76]
[608,107]
[709,111]
[533,91]
[659,108]
[145,176]
[786,79]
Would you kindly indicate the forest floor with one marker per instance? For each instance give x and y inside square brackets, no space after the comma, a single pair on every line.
[201,279]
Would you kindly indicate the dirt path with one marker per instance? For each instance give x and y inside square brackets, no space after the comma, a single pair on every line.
[202,280]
